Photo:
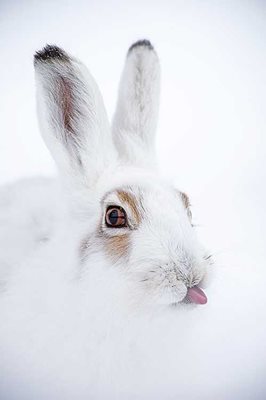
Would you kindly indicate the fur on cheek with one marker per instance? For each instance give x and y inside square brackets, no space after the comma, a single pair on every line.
[117,247]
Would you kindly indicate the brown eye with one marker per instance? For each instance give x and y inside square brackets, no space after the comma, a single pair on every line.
[115,217]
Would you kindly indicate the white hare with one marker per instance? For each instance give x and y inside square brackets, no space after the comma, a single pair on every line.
[119,206]
[117,215]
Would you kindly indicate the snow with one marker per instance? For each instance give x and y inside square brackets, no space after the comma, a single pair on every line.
[211,141]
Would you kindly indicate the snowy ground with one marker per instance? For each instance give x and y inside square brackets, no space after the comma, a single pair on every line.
[211,141]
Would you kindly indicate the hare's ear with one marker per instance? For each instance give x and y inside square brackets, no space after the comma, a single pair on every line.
[72,116]
[135,119]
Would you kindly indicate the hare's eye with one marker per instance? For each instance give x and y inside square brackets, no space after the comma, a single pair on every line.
[115,217]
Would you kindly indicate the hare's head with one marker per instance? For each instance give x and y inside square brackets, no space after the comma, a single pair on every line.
[137,221]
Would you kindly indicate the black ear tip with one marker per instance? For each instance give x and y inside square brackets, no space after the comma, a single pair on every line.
[50,52]
[141,43]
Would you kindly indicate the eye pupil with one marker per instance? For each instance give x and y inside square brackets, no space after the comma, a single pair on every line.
[115,217]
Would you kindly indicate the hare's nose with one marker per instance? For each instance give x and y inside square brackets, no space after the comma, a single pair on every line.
[196,295]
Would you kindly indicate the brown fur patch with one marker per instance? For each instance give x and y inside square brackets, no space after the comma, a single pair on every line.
[131,201]
[117,246]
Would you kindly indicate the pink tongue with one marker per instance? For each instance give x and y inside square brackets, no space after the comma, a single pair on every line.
[196,295]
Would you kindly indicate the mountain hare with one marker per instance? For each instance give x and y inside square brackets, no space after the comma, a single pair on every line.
[116,226]
[129,216]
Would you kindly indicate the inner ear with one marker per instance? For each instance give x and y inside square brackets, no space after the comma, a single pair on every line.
[72,116]
[69,107]
[66,104]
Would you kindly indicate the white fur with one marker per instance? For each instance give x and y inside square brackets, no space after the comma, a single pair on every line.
[91,144]
[82,307]
[165,241]
[136,115]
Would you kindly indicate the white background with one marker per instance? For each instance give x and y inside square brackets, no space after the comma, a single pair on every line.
[211,136]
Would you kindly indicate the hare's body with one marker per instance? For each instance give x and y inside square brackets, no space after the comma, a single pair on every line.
[111,240]
[29,214]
